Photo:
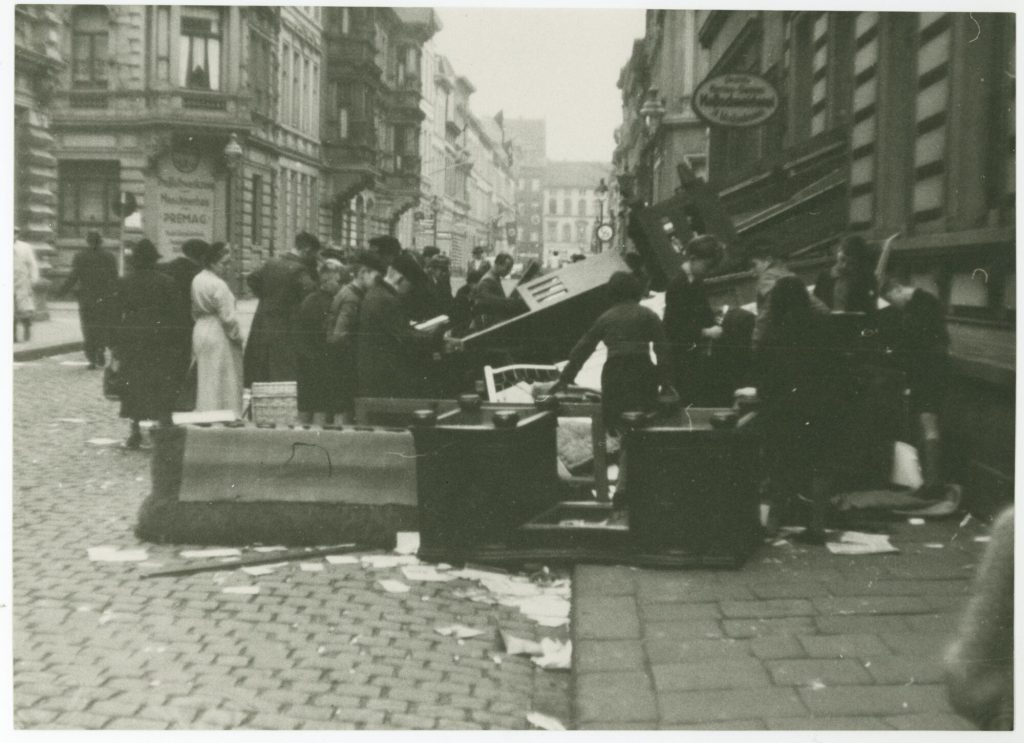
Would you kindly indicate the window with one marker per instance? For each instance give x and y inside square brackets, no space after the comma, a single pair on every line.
[286,77]
[261,67]
[200,48]
[346,21]
[581,232]
[552,206]
[535,184]
[87,192]
[343,122]
[567,204]
[89,47]
[306,102]
[257,208]
[552,231]
[581,208]
[566,232]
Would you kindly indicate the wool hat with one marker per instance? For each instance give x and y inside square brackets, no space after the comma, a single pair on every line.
[371,260]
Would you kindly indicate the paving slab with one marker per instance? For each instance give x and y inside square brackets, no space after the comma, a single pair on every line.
[798,639]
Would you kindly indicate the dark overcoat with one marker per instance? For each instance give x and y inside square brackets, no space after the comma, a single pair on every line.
[280,284]
[148,316]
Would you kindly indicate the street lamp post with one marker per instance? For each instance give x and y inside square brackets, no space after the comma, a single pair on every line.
[602,193]
[233,159]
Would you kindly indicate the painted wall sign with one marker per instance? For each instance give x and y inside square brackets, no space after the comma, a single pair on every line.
[735,100]
[185,206]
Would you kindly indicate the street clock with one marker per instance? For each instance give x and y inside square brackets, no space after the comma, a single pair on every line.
[605,233]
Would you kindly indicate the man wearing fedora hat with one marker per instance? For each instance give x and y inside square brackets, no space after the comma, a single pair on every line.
[393,359]
[94,272]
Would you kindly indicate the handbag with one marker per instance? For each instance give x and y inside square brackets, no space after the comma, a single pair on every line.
[113,380]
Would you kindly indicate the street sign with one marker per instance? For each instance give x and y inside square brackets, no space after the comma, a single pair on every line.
[605,233]
[735,100]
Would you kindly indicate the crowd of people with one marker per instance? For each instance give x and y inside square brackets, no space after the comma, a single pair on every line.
[372,323]
[377,323]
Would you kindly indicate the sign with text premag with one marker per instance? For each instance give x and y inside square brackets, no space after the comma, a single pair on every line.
[735,100]
[184,208]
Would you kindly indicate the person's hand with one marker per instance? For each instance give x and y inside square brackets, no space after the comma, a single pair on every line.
[714,332]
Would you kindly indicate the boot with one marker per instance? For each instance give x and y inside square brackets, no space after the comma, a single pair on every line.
[815,531]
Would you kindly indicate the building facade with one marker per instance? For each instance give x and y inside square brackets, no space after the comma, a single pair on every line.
[889,123]
[576,200]
[468,183]
[528,140]
[659,127]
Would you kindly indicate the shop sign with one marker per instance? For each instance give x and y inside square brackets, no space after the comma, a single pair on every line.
[185,204]
[735,100]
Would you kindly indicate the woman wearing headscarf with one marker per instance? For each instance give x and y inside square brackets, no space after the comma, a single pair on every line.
[147,316]
[216,337]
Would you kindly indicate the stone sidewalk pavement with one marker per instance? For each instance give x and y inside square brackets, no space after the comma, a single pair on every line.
[96,646]
[797,639]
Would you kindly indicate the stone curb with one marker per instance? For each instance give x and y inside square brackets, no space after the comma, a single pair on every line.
[32,354]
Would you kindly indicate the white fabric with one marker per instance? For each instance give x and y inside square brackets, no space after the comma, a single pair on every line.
[26,275]
[217,344]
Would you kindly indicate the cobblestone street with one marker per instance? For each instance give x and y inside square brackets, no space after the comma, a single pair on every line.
[98,647]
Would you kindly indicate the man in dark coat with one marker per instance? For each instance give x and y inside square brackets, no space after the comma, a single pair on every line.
[94,271]
[182,270]
[479,262]
[280,284]
[439,271]
[689,321]
[147,320]
[394,359]
[490,304]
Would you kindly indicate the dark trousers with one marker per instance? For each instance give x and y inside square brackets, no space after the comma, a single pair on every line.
[94,332]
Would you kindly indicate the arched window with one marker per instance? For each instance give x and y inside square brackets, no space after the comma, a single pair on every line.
[566,232]
[568,206]
[90,26]
[582,208]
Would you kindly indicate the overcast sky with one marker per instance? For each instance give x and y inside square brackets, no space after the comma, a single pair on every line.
[559,65]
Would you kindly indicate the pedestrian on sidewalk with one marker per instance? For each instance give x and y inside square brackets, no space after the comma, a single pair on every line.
[795,381]
[94,272]
[216,337]
[342,329]
[316,375]
[183,270]
[26,276]
[147,317]
[280,285]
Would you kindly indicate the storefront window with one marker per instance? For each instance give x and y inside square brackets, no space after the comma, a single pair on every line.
[200,48]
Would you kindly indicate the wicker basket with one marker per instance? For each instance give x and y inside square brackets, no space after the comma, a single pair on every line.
[274,402]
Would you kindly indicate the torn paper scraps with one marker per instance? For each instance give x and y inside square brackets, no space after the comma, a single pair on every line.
[458,631]
[212,552]
[861,543]
[544,722]
[425,573]
[244,590]
[555,655]
[393,586]
[106,553]
[407,542]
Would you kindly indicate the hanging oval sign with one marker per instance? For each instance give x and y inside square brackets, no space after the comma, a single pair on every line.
[735,99]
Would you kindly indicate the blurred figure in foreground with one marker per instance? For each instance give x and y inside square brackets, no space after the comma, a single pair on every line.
[979,664]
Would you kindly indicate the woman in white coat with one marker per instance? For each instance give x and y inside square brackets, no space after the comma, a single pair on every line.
[216,337]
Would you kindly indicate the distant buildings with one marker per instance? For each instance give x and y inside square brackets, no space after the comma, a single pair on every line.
[560,204]
[248,124]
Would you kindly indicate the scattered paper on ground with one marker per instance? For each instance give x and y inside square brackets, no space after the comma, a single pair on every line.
[106,553]
[518,646]
[245,590]
[458,631]
[311,567]
[103,442]
[393,586]
[263,569]
[387,561]
[342,559]
[555,655]
[548,604]
[213,552]
[861,543]
[273,548]
[934,545]
[425,573]
[915,522]
[983,539]
[407,542]
[544,722]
